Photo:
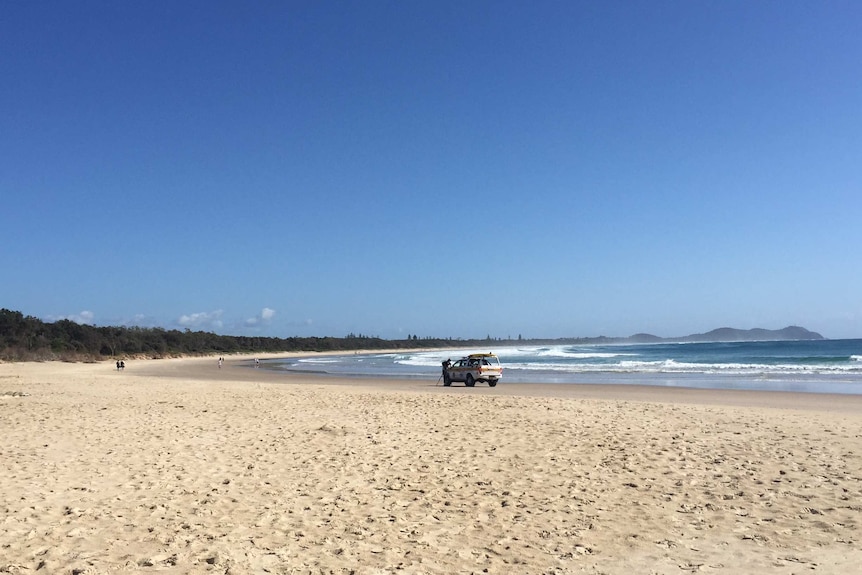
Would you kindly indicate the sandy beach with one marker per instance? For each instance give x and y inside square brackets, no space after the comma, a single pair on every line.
[180,466]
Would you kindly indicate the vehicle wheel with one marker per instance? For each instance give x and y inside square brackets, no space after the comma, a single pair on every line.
[470,382]
[492,383]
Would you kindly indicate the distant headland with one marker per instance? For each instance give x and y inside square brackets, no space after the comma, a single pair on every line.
[723,334]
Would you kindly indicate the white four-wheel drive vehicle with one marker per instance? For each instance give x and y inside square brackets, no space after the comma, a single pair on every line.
[475,367]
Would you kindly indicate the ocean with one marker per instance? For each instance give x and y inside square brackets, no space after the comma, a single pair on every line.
[820,366]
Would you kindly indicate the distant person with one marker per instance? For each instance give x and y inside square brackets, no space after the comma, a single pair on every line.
[220,361]
[122,365]
[256,362]
[118,365]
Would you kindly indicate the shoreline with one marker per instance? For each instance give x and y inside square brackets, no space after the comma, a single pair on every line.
[204,368]
[179,466]
[821,379]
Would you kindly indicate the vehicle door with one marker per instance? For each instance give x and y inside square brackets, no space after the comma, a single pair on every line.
[458,371]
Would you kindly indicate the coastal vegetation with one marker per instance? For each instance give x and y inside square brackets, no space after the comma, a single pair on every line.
[27,338]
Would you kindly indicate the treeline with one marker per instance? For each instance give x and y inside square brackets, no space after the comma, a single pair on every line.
[26,338]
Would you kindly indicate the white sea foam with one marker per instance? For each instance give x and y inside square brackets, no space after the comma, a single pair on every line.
[671,366]
[435,358]
[320,360]
[562,353]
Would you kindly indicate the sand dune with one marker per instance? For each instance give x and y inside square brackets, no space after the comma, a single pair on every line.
[178,466]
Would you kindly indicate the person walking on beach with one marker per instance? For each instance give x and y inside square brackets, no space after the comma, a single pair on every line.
[118,365]
[220,361]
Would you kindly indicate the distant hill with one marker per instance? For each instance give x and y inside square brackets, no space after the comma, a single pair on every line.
[789,333]
[792,332]
[645,338]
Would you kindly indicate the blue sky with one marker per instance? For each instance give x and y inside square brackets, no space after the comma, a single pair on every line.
[440,168]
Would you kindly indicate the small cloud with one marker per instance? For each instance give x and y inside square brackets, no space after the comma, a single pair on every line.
[265,316]
[201,320]
[84,318]
[137,320]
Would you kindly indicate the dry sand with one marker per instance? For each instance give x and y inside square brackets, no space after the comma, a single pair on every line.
[177,466]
